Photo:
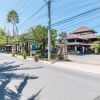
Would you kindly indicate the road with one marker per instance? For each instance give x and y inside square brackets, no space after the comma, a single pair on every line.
[88,59]
[27,80]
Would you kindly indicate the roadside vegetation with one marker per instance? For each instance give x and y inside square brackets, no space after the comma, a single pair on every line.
[96,47]
[37,35]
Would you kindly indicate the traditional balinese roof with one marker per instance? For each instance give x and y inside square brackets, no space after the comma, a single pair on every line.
[81,36]
[78,43]
[83,29]
[82,33]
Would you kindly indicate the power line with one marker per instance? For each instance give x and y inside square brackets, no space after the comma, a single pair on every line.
[64,4]
[32,15]
[69,7]
[83,22]
[29,5]
[72,3]
[74,9]
[20,4]
[74,17]
[79,19]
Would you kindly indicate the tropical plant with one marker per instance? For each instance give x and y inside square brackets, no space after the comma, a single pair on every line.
[24,38]
[24,55]
[13,53]
[39,36]
[3,37]
[36,57]
[13,18]
[96,47]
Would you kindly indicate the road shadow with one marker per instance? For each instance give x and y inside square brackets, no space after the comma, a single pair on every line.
[6,78]
[97,98]
[6,63]
[11,95]
[5,67]
[36,96]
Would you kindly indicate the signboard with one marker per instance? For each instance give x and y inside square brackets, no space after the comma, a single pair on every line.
[33,47]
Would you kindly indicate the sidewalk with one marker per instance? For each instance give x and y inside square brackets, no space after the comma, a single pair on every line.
[93,68]
[76,66]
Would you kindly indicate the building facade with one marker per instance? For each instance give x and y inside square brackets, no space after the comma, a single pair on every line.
[81,39]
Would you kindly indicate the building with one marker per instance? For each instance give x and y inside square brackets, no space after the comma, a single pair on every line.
[81,39]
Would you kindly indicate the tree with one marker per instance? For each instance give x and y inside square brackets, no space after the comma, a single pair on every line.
[24,38]
[3,37]
[13,18]
[39,36]
[96,47]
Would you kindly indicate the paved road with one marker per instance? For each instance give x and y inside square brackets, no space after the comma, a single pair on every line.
[89,59]
[27,80]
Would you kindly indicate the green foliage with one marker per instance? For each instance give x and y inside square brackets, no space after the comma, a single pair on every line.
[13,40]
[54,56]
[24,38]
[12,17]
[24,54]
[13,54]
[36,57]
[39,34]
[3,37]
[96,47]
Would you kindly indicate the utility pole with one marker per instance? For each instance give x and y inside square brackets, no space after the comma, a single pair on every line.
[49,28]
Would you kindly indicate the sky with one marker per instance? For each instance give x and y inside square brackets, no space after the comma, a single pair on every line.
[60,10]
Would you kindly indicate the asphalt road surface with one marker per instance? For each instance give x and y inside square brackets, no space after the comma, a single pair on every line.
[27,80]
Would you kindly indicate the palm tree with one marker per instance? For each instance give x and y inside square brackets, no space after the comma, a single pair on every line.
[13,18]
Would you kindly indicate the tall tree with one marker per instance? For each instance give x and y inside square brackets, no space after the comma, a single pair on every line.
[96,47]
[39,35]
[24,40]
[13,18]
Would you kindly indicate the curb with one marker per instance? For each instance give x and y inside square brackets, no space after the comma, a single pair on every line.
[69,65]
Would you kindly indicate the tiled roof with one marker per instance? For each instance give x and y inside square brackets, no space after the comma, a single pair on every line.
[78,43]
[81,36]
[83,29]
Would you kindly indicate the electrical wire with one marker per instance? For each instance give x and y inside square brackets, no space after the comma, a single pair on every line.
[74,17]
[74,9]
[32,15]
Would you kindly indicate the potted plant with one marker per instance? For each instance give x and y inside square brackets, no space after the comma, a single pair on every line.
[24,55]
[36,57]
[13,54]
